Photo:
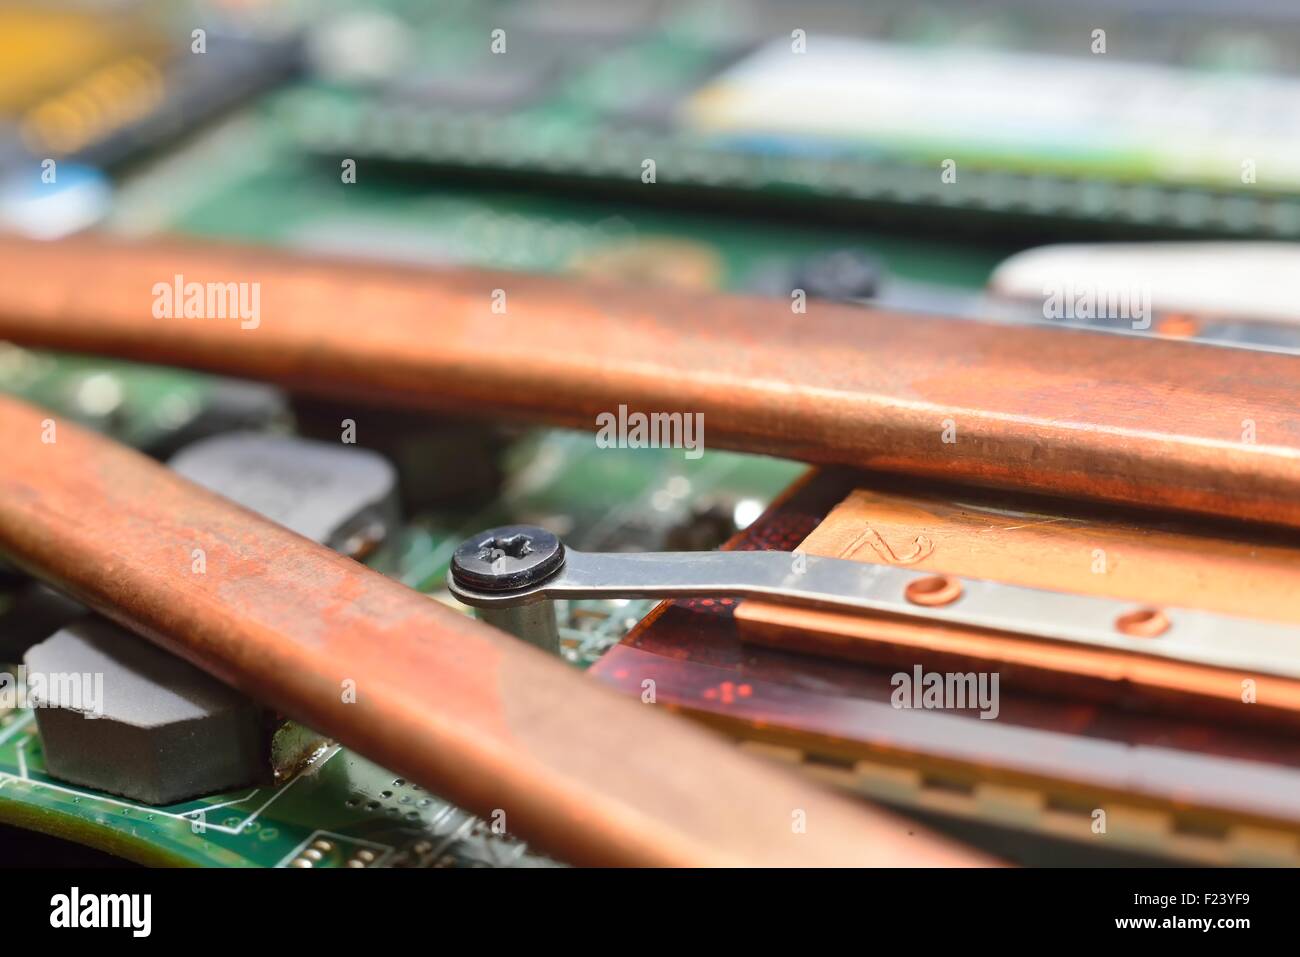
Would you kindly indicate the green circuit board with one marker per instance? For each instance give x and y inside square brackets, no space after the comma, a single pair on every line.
[341,811]
[589,91]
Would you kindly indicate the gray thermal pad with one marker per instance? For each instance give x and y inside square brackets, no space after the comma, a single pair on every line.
[323,491]
[120,715]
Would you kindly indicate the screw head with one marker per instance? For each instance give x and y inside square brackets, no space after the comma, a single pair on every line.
[506,558]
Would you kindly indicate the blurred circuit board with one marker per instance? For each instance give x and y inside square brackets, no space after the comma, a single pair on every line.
[265,191]
[95,84]
[849,109]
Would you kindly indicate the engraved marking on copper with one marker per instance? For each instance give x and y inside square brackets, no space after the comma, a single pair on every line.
[922,547]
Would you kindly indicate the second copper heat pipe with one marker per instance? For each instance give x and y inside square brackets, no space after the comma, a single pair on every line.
[1088,415]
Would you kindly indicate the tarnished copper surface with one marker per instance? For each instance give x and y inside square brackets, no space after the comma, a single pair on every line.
[454,705]
[1253,575]
[1151,422]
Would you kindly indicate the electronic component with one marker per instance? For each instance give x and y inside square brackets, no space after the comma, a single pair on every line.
[841,274]
[99,88]
[338,495]
[1222,292]
[121,715]
[418,445]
